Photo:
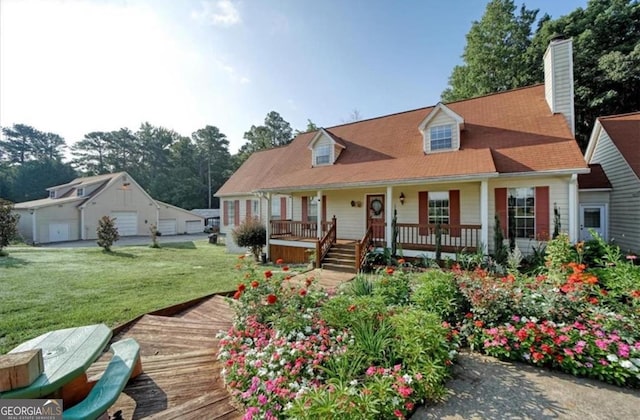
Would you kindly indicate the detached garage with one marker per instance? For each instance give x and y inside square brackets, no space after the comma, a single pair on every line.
[72,211]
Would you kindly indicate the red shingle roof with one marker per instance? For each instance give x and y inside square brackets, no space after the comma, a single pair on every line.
[506,132]
[624,131]
[597,179]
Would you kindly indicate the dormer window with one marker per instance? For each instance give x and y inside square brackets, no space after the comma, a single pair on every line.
[52,194]
[441,130]
[80,192]
[440,137]
[323,154]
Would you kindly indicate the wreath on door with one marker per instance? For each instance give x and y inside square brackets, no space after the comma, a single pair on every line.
[376,206]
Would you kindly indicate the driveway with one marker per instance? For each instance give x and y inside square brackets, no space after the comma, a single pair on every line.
[485,388]
[130,241]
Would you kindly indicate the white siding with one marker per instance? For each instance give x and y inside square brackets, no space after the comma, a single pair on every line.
[558,196]
[594,197]
[624,210]
[441,118]
[558,75]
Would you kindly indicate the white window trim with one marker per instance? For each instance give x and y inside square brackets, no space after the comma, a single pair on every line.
[431,140]
[329,156]
[231,215]
[80,192]
[439,196]
[52,194]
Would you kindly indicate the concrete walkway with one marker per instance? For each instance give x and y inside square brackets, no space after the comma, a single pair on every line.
[486,388]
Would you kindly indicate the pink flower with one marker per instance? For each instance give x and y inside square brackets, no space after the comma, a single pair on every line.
[262,399]
[398,414]
[602,344]
[371,371]
[623,350]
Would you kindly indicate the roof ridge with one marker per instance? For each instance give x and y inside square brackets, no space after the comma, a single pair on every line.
[626,114]
[434,105]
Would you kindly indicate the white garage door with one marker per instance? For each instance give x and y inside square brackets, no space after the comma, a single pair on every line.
[195,226]
[58,232]
[126,222]
[168,226]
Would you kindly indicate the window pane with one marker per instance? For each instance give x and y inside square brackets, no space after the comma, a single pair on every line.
[592,218]
[522,212]
[440,137]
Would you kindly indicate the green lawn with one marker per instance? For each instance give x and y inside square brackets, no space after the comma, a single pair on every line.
[45,289]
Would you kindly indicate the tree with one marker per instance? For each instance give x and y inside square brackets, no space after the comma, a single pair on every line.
[18,142]
[274,133]
[90,153]
[311,126]
[107,233]
[493,54]
[33,178]
[606,55]
[8,225]
[500,54]
[214,160]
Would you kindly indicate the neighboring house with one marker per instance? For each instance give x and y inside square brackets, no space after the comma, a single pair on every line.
[457,165]
[615,146]
[71,212]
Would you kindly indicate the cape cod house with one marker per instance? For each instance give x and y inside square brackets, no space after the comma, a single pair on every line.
[341,189]
[610,200]
[72,210]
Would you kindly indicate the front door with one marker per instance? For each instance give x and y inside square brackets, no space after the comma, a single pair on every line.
[592,216]
[376,216]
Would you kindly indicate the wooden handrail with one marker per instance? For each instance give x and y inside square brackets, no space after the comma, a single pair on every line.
[361,248]
[452,236]
[324,245]
[284,228]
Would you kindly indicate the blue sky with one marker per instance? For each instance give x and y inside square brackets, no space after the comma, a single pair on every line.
[76,66]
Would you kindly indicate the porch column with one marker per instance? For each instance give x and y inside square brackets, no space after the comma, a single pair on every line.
[573,208]
[388,212]
[267,224]
[484,216]
[319,214]
[82,232]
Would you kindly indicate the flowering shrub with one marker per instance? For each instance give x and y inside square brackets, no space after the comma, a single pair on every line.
[294,351]
[585,347]
[579,320]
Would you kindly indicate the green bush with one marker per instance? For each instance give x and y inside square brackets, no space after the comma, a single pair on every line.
[8,224]
[251,234]
[107,233]
[436,292]
[392,286]
[344,311]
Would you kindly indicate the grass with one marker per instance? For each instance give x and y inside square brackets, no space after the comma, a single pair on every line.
[46,289]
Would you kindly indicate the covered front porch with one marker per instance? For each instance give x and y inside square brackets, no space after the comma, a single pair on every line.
[415,220]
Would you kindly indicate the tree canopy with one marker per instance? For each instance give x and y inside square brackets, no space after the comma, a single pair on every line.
[502,54]
[274,133]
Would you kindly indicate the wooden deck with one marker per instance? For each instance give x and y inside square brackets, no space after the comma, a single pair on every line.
[182,375]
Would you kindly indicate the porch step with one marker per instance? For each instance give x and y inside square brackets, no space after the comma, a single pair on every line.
[339,267]
[341,257]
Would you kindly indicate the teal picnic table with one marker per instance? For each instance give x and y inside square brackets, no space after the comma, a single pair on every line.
[67,355]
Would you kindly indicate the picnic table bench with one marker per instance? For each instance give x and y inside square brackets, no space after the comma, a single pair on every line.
[67,354]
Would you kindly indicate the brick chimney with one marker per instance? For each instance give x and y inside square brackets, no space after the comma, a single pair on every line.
[558,79]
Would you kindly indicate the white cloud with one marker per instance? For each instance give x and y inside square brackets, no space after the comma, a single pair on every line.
[218,13]
[232,72]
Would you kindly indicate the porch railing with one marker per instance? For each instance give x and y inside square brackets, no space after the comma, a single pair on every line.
[297,229]
[452,237]
[324,244]
[362,247]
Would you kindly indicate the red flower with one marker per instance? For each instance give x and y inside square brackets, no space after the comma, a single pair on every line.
[271,299]
[303,292]
[241,257]
[401,261]
[285,268]
[537,356]
[308,281]
[478,324]
[288,278]
[635,294]
[237,295]
[351,308]
[268,274]
[398,414]
[593,300]
[241,287]
[468,315]
[389,270]
[255,284]
[279,261]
